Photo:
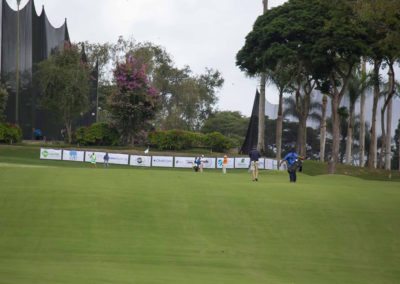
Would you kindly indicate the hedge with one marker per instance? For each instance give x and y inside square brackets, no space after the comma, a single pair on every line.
[10,133]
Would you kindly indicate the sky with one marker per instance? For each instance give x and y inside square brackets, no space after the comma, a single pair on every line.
[198,33]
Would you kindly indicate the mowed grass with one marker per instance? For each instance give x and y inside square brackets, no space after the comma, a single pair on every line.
[126,225]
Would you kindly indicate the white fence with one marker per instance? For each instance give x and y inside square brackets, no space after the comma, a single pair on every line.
[152,161]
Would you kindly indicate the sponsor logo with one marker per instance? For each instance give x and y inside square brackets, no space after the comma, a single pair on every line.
[45,153]
[139,160]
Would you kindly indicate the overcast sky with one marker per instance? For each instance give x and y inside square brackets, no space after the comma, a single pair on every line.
[198,33]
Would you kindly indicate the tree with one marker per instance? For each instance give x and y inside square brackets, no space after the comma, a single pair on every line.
[356,87]
[186,99]
[281,77]
[323,129]
[302,107]
[3,101]
[381,19]
[230,123]
[64,82]
[322,37]
[134,103]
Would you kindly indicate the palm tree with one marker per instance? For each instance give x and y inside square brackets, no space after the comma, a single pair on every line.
[302,108]
[281,77]
[356,86]
[323,128]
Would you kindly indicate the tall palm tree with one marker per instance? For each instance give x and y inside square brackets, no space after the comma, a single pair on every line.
[323,128]
[281,77]
[356,87]
[302,108]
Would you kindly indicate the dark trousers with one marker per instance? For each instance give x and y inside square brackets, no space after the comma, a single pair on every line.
[292,175]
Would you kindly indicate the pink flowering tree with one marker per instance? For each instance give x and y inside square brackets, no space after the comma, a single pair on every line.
[134,102]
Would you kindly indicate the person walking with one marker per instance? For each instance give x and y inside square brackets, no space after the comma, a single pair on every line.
[106,158]
[224,164]
[254,157]
[293,161]
[93,159]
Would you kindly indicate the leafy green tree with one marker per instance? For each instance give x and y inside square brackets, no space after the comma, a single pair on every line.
[186,99]
[230,123]
[3,101]
[134,103]
[64,82]
[323,38]
[382,22]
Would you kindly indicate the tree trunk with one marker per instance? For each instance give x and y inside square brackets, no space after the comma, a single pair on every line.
[362,120]
[302,136]
[349,140]
[323,130]
[383,139]
[335,134]
[261,110]
[68,126]
[279,123]
[261,116]
[373,146]
[388,140]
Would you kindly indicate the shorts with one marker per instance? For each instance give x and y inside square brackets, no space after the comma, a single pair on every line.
[254,165]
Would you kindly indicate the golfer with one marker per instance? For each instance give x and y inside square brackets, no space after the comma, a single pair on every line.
[224,164]
[293,161]
[254,157]
[93,159]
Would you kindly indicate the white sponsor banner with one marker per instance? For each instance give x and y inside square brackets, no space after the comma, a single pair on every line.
[99,156]
[184,162]
[118,159]
[50,154]
[242,163]
[208,163]
[231,163]
[140,161]
[162,161]
[262,164]
[269,164]
[73,155]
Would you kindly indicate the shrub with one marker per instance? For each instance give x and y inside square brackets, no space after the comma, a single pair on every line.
[175,139]
[181,140]
[10,133]
[218,142]
[99,134]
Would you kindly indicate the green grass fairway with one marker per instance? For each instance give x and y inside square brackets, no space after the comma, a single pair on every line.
[82,225]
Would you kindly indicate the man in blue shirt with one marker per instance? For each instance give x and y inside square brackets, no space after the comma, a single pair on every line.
[254,156]
[293,162]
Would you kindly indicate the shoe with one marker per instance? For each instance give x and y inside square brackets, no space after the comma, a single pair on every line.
[256,179]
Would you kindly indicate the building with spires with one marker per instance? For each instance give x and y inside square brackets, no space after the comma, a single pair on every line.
[38,38]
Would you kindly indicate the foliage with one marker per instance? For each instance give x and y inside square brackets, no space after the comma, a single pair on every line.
[175,139]
[183,140]
[186,99]
[3,101]
[218,142]
[10,133]
[134,102]
[100,134]
[229,123]
[64,82]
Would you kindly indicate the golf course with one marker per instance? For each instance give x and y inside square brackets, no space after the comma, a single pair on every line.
[66,222]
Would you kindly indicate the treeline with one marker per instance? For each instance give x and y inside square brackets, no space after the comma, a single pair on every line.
[309,46]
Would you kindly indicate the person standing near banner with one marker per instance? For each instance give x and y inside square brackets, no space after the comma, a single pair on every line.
[254,157]
[106,159]
[202,161]
[93,159]
[224,164]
